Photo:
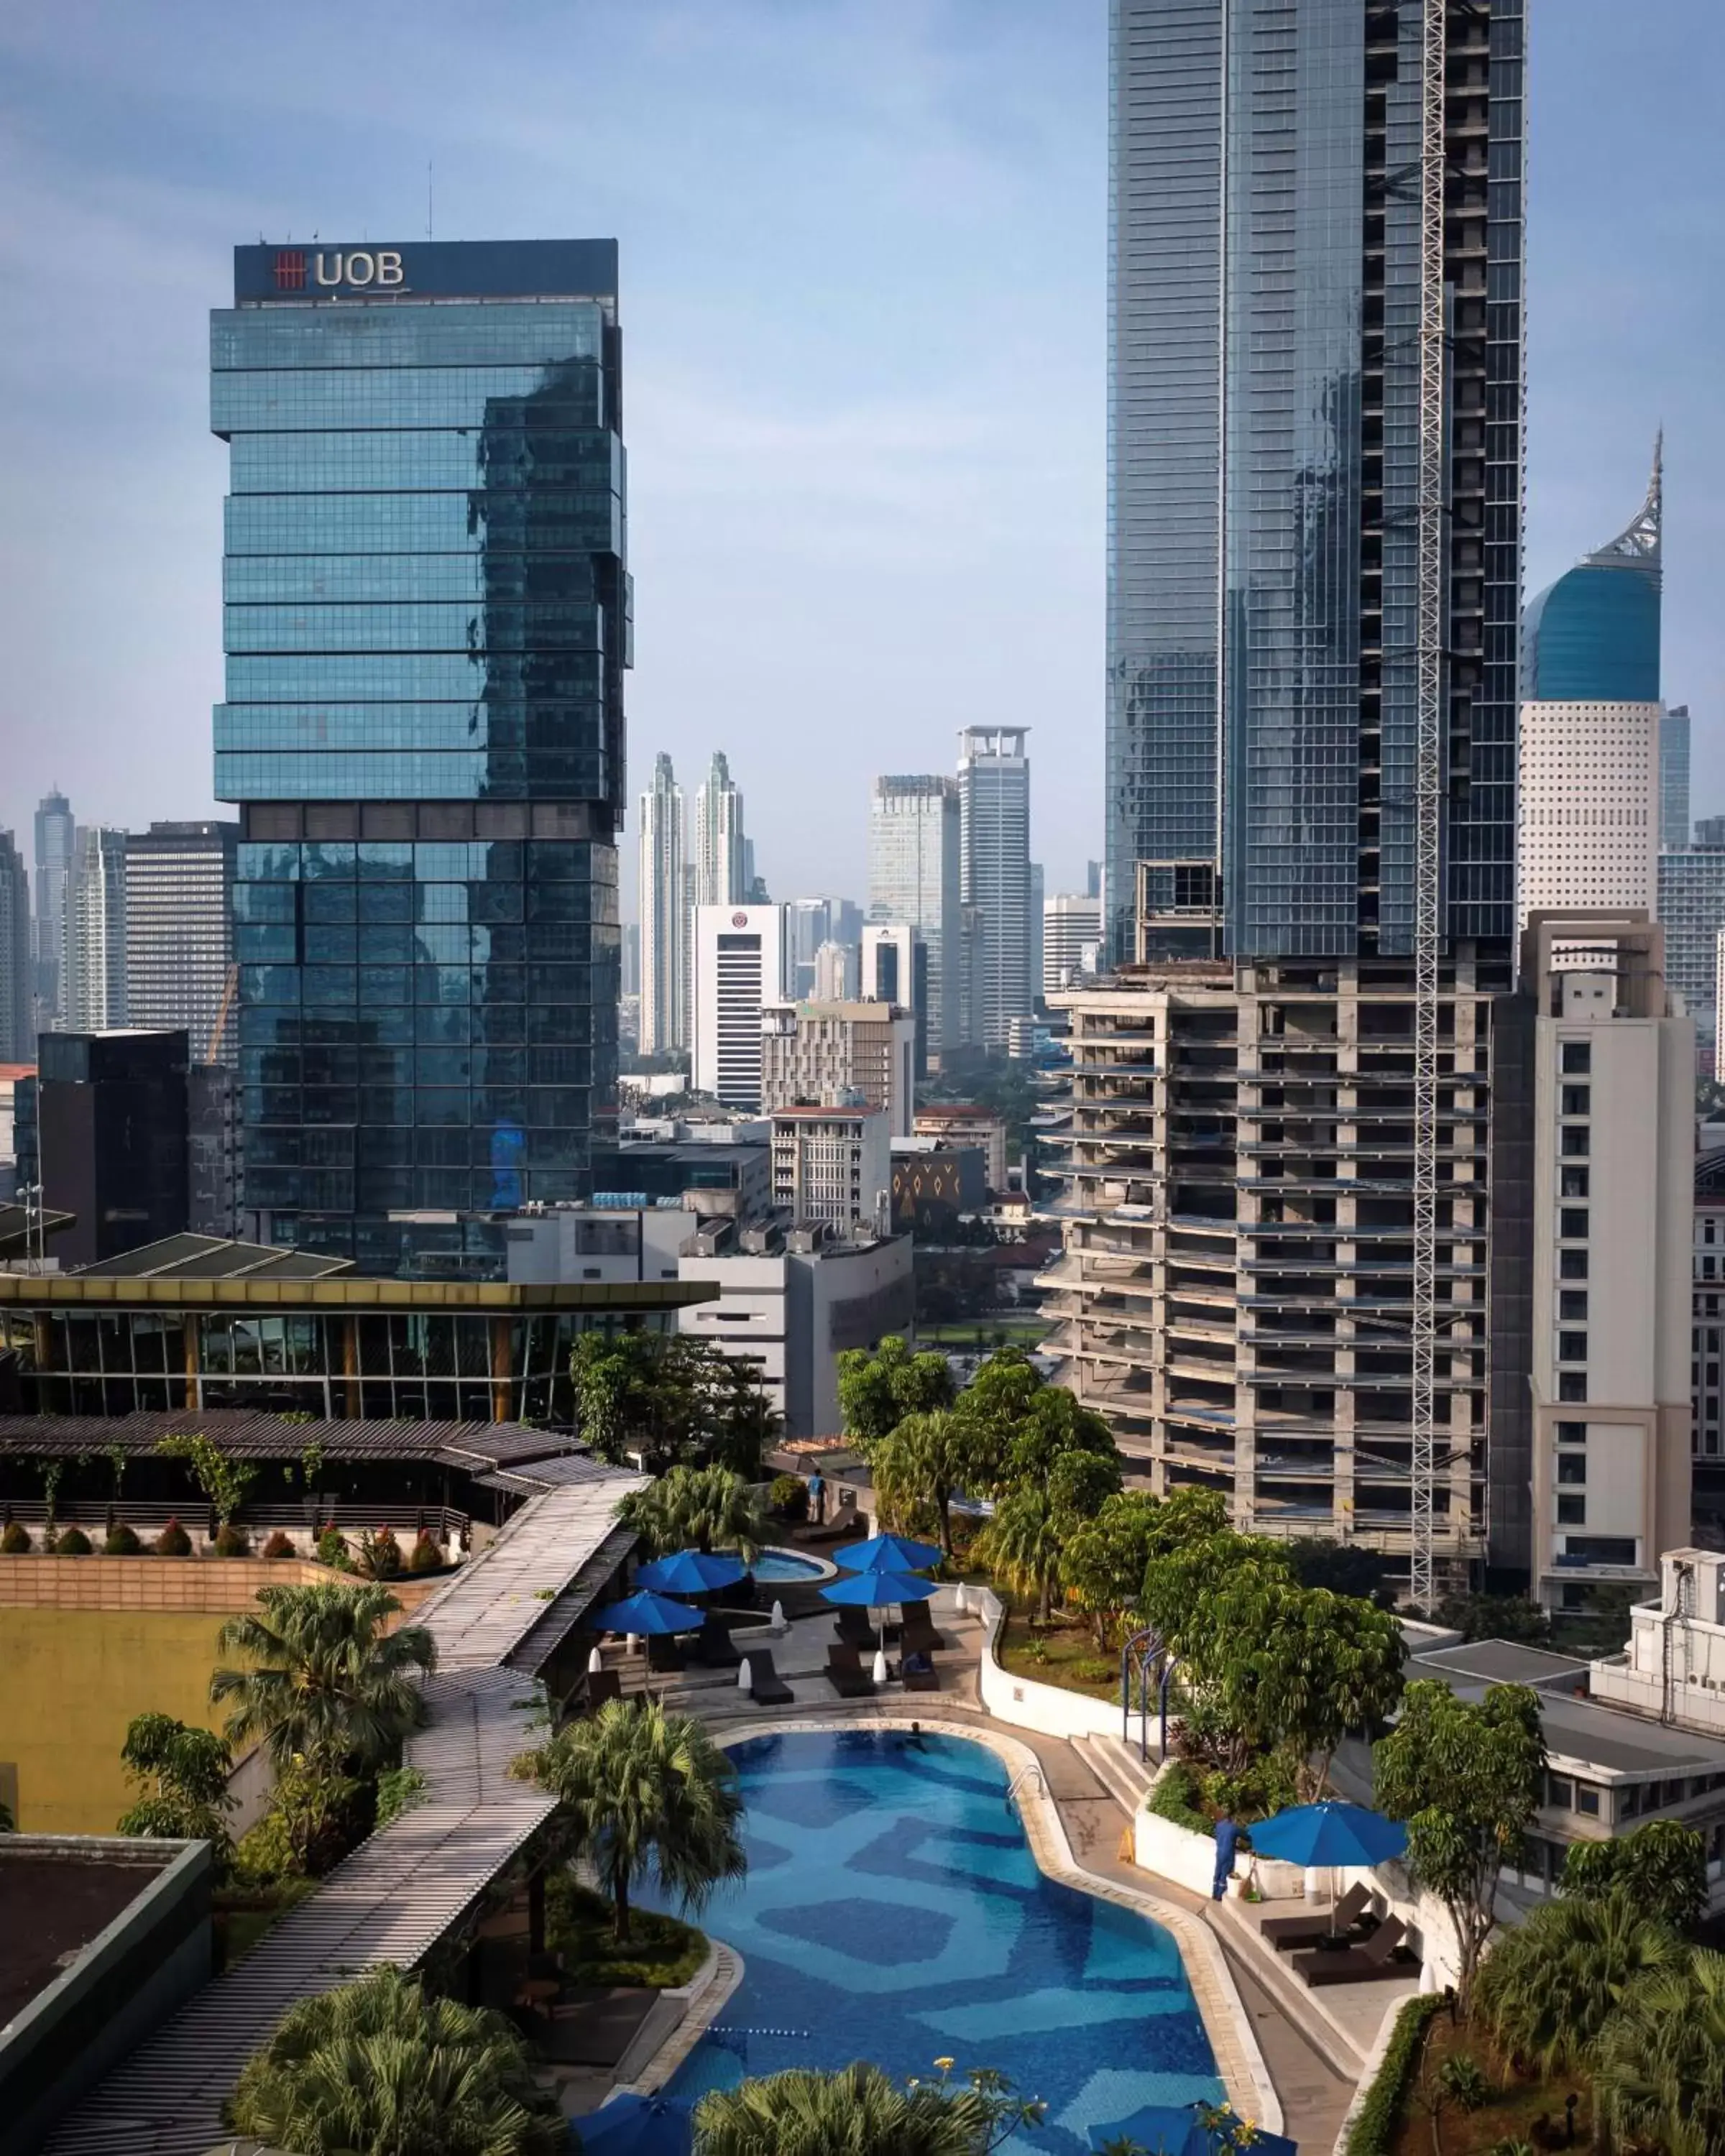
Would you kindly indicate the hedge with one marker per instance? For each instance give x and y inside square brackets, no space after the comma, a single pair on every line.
[1372,2133]
[1175,1798]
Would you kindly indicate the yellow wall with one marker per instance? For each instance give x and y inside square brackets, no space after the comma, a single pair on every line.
[70,1681]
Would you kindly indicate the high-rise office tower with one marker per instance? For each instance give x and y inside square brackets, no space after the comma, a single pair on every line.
[722,858]
[428,615]
[1674,776]
[1592,750]
[1691,909]
[17,966]
[93,948]
[1039,896]
[895,970]
[179,933]
[664,914]
[1315,435]
[1071,930]
[995,848]
[738,971]
[916,876]
[55,837]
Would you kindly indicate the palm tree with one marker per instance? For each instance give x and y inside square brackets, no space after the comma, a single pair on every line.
[858,2111]
[639,1788]
[326,1680]
[1658,2065]
[1022,1544]
[706,1509]
[383,2068]
[1555,1982]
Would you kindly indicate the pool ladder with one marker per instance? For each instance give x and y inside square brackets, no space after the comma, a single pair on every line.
[1026,1774]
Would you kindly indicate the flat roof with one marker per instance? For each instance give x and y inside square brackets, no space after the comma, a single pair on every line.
[345,1291]
[1503,1661]
[19,1227]
[211,1257]
[59,1894]
[486,1446]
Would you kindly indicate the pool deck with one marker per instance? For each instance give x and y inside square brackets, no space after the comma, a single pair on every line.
[1290,2059]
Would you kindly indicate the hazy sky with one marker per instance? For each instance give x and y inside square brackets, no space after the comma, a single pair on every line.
[863,248]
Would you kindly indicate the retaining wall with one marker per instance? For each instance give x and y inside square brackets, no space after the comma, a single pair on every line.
[1050,1709]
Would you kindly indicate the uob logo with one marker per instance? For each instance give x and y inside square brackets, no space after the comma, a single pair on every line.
[356,268]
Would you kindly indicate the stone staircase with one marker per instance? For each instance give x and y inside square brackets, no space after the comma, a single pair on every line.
[1119,1769]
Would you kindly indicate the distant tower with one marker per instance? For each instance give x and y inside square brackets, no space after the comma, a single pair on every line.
[1674,779]
[916,876]
[56,835]
[179,932]
[995,826]
[665,915]
[721,852]
[93,955]
[18,971]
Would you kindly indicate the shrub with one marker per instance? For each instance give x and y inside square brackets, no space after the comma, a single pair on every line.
[15,1540]
[73,1542]
[332,1548]
[379,1554]
[231,1540]
[122,1542]
[173,1541]
[1373,2130]
[399,1788]
[280,1544]
[1175,1798]
[425,1556]
[788,1496]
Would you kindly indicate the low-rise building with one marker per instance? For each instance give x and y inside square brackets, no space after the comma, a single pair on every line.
[962,1122]
[828,1053]
[831,1166]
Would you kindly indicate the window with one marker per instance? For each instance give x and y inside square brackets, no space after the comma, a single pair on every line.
[1587,1801]
[1601,1549]
[1571,1347]
[1571,1467]
[1572,1219]
[1559,1791]
[1572,1181]
[1572,1264]
[1572,1511]
[1572,1384]
[1578,1058]
[1575,1139]
[1572,1304]
[1576,1101]
[1572,1433]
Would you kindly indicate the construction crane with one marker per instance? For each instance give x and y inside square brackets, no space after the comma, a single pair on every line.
[212,1054]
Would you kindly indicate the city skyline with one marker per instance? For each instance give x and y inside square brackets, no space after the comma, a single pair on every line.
[825,445]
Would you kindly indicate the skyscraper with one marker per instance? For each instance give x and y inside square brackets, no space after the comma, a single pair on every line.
[55,836]
[1306,659]
[664,914]
[721,860]
[17,969]
[1674,776]
[1071,930]
[179,933]
[429,617]
[994,841]
[93,949]
[738,970]
[1592,750]
[916,876]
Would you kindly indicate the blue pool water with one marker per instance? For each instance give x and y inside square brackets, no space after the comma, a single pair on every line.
[893,1911]
[777,1566]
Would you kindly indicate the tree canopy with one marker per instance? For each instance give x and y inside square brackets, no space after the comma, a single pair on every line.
[1549,1986]
[182,1772]
[1659,2064]
[877,1390]
[860,2110]
[1661,1866]
[671,1400]
[706,1509]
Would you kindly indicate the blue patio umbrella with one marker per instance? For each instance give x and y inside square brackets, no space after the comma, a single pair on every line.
[874,1591]
[887,1553]
[690,1572]
[1179,2130]
[631,2125]
[647,1615]
[1329,1834]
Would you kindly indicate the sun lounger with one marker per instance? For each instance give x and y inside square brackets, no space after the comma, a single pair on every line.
[766,1684]
[855,1630]
[1356,1964]
[1315,1926]
[601,1685]
[919,1635]
[846,1674]
[664,1651]
[920,1674]
[713,1643]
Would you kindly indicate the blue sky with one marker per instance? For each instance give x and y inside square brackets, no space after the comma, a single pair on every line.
[863,247]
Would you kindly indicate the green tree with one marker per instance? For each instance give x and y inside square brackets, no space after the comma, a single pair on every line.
[223,1480]
[1466,1776]
[1496,1617]
[383,2068]
[638,1787]
[1549,1987]
[1180,1578]
[707,1508]
[1663,1867]
[860,2110]
[917,1470]
[1344,1567]
[1658,2065]
[1021,1545]
[1079,1485]
[1103,1564]
[1053,1426]
[182,1774]
[324,1679]
[877,1390]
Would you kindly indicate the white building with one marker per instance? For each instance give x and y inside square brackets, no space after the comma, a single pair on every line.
[916,877]
[1674,1665]
[1071,933]
[608,1244]
[1588,806]
[93,953]
[826,1052]
[832,1165]
[1612,1132]
[720,850]
[665,915]
[994,842]
[179,933]
[895,970]
[836,973]
[739,969]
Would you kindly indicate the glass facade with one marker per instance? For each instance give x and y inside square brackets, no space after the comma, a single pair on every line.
[426,623]
[1264,482]
[1593,636]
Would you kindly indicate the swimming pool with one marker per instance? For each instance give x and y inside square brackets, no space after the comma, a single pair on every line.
[893,1911]
[778,1568]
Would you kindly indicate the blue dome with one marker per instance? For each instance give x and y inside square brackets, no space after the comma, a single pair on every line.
[1593,636]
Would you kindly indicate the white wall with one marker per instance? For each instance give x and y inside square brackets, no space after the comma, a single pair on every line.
[1051,1709]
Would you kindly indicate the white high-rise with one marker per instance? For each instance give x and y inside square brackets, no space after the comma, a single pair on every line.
[739,969]
[994,817]
[721,851]
[93,951]
[56,834]
[665,915]
[916,876]
[1071,931]
[179,933]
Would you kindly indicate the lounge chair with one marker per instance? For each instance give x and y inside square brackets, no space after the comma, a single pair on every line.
[919,1673]
[765,1686]
[1355,1964]
[1314,1926]
[713,1643]
[664,1651]
[855,1630]
[601,1685]
[919,1635]
[846,1674]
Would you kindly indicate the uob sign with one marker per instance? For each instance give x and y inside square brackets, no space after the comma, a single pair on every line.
[353,271]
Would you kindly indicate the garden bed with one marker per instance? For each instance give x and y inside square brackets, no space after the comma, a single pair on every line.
[1065,1654]
[1511,2113]
[661,1953]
